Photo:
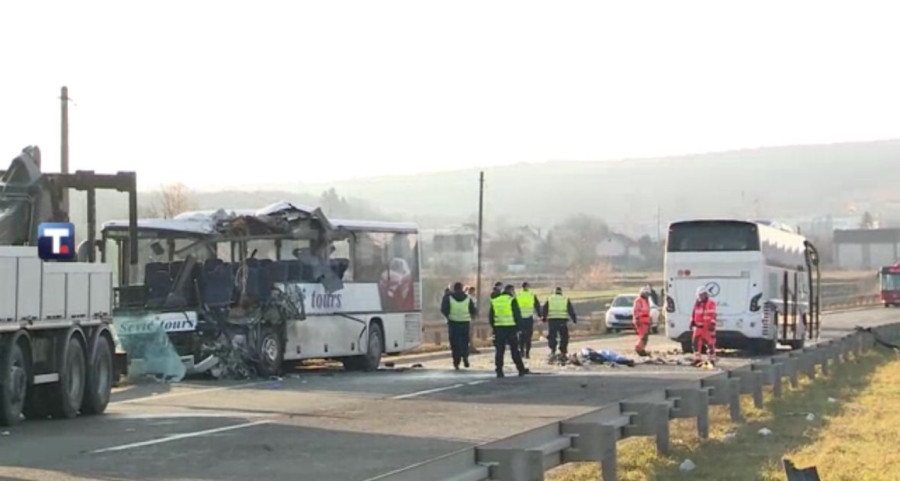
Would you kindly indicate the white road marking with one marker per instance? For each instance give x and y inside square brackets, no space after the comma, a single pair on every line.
[429,391]
[217,414]
[188,393]
[176,437]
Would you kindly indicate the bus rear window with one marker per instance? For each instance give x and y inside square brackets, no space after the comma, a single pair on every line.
[713,237]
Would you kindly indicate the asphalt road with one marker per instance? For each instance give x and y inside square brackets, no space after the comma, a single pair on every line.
[326,424]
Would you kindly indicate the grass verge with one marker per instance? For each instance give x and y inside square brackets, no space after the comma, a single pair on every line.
[853,438]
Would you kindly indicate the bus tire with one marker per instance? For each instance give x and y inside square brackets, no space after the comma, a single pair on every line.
[766,347]
[68,393]
[99,377]
[271,351]
[372,358]
[13,381]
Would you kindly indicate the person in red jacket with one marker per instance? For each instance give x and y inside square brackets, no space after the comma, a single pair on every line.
[703,323]
[641,320]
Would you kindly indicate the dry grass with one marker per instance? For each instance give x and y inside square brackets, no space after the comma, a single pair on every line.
[855,438]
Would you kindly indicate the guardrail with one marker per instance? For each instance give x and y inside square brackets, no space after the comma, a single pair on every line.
[593,437]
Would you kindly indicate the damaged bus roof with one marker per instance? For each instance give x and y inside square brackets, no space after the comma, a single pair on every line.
[210,222]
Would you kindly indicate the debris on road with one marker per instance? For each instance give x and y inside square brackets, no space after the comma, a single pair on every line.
[606,356]
[832,400]
[810,417]
[389,364]
[765,431]
[687,466]
[729,437]
[5,433]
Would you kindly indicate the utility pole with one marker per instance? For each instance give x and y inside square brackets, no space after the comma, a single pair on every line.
[478,275]
[64,144]
[658,228]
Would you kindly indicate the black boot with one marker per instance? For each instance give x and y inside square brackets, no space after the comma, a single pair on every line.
[466,362]
[500,374]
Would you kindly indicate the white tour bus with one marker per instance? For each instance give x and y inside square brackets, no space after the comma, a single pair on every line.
[297,284]
[763,277]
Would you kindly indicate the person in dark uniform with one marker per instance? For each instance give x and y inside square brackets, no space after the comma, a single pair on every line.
[530,306]
[504,316]
[558,311]
[459,309]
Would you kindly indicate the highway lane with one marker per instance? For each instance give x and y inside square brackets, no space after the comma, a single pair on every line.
[332,425]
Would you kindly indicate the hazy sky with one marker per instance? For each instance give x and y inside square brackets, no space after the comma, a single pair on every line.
[225,93]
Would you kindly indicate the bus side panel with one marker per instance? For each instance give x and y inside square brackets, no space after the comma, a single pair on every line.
[402,332]
[322,336]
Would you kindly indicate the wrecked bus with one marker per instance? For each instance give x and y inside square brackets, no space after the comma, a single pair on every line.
[240,293]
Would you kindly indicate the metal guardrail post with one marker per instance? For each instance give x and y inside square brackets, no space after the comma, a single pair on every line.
[771,376]
[593,442]
[751,383]
[691,403]
[725,390]
[648,419]
[512,464]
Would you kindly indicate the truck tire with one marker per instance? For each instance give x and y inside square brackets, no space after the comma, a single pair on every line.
[13,381]
[271,351]
[68,393]
[99,377]
[372,358]
[37,407]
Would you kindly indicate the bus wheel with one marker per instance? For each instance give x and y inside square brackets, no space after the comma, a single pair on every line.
[766,347]
[69,391]
[373,353]
[372,358]
[99,378]
[271,351]
[13,381]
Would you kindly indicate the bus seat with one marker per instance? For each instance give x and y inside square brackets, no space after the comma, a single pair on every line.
[158,282]
[217,284]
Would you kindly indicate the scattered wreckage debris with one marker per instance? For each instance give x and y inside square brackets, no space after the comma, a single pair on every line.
[800,474]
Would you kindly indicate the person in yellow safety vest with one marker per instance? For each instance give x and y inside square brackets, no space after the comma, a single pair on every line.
[529,305]
[459,309]
[557,311]
[504,316]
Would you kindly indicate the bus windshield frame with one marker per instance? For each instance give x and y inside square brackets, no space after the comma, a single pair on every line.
[713,236]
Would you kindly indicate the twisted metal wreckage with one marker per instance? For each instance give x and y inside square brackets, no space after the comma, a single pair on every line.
[224,320]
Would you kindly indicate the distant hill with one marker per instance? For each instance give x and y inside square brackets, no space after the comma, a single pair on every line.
[768,182]
[776,182]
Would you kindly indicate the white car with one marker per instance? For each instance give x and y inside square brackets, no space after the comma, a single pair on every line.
[620,313]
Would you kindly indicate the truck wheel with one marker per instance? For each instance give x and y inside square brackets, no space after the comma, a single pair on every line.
[13,382]
[36,403]
[99,378]
[271,351]
[69,391]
